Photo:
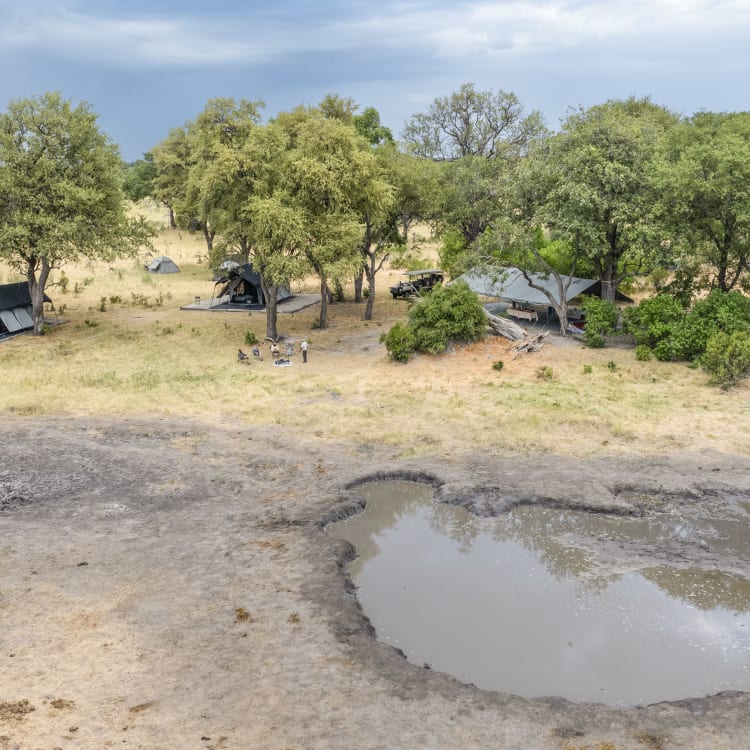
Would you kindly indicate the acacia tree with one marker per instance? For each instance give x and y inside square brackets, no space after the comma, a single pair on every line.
[472,123]
[171,162]
[603,197]
[703,181]
[60,192]
[216,178]
[331,176]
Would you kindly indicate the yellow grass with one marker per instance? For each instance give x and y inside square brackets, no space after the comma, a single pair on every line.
[135,359]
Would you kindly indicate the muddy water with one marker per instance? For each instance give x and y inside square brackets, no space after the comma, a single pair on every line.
[549,602]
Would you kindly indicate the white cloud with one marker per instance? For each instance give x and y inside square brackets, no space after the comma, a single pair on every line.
[518,29]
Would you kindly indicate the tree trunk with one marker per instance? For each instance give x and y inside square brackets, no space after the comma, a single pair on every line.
[172,221]
[358,283]
[208,235]
[339,294]
[36,290]
[324,292]
[270,295]
[370,271]
[245,250]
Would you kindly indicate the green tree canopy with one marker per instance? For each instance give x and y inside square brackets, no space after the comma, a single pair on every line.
[704,181]
[599,192]
[60,191]
[472,123]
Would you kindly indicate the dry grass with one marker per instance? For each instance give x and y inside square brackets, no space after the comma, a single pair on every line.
[143,355]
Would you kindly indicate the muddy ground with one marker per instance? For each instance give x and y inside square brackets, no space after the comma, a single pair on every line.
[170,585]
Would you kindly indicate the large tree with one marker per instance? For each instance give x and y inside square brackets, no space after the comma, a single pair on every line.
[601,195]
[60,191]
[472,123]
[704,182]
[332,177]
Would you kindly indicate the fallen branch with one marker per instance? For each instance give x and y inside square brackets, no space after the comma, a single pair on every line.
[529,345]
[504,327]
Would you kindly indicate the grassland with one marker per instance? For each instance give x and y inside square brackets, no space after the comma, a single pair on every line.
[126,349]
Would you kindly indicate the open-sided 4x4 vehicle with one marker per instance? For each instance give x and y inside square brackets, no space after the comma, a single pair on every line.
[417,282]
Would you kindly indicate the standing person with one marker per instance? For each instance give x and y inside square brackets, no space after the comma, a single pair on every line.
[303,349]
[274,350]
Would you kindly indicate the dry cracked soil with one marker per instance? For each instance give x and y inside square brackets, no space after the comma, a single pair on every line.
[172,585]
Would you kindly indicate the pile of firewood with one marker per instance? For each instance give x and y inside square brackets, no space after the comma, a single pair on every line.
[512,331]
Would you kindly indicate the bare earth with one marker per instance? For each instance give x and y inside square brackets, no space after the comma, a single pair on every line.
[171,585]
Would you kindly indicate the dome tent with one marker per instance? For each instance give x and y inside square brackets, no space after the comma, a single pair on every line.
[162,264]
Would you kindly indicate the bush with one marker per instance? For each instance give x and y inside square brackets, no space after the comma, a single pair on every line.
[601,318]
[399,342]
[250,338]
[643,353]
[498,365]
[727,357]
[654,319]
[449,313]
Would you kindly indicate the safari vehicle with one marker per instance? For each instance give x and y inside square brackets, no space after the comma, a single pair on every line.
[417,282]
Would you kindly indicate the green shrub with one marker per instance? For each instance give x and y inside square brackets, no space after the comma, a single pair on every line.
[250,338]
[449,313]
[653,319]
[399,342]
[498,365]
[727,357]
[643,353]
[601,318]
[545,372]
[587,369]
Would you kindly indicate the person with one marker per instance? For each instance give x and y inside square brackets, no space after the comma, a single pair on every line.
[274,350]
[303,349]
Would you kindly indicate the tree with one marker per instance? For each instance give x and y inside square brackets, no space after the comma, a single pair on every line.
[703,179]
[138,181]
[60,192]
[172,160]
[601,195]
[332,177]
[472,123]
[216,138]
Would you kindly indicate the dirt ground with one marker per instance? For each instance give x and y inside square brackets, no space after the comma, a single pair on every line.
[172,585]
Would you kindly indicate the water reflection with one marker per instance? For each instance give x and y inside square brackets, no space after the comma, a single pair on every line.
[527,603]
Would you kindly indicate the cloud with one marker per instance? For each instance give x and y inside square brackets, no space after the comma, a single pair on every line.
[231,34]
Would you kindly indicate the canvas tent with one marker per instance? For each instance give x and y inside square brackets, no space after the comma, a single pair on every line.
[242,285]
[510,286]
[16,309]
[162,264]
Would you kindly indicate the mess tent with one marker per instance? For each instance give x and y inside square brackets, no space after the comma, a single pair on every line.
[525,302]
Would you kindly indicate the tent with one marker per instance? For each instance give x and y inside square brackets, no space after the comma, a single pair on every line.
[15,308]
[243,286]
[510,285]
[162,264]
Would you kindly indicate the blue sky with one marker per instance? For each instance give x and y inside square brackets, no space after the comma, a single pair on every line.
[146,67]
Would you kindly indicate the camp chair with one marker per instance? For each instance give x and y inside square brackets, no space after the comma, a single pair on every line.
[256,353]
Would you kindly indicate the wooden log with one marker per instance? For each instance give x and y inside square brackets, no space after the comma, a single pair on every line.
[533,344]
[504,327]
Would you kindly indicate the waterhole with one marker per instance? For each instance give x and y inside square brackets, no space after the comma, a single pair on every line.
[550,602]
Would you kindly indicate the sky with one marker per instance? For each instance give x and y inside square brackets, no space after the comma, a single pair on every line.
[147,66]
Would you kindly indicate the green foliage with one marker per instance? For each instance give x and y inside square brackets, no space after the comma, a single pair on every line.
[612,365]
[587,369]
[601,318]
[498,365]
[137,182]
[449,313]
[399,342]
[250,338]
[727,357]
[653,319]
[643,353]
[453,253]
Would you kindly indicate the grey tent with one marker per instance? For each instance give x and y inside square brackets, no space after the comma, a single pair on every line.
[510,285]
[243,286]
[162,264]
[15,309]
